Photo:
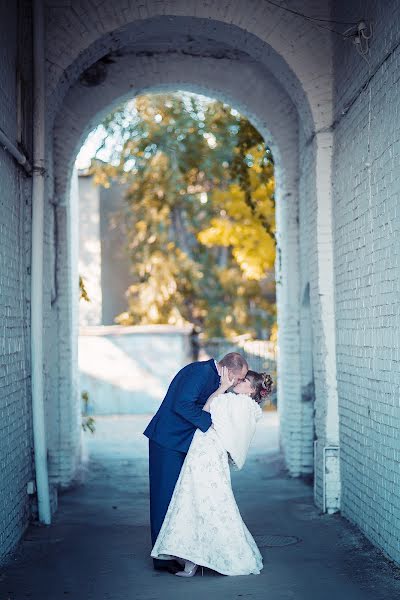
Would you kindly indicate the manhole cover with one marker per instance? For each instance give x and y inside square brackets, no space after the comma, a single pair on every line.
[276,540]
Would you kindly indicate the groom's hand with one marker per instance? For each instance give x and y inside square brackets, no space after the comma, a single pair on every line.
[226,380]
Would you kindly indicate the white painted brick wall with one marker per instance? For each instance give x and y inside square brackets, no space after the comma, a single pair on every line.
[74,28]
[367,249]
[16,463]
[308,337]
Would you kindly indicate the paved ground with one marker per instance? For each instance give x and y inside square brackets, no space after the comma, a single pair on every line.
[98,545]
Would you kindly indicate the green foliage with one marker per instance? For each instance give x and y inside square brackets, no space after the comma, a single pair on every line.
[88,423]
[83,295]
[199,213]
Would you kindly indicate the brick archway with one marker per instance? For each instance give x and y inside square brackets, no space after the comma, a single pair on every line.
[298,52]
[229,62]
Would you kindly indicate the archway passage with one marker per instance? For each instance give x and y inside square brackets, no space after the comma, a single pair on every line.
[176,230]
[232,63]
[227,72]
[223,85]
[304,88]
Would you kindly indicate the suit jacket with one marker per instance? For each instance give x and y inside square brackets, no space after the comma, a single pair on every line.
[181,411]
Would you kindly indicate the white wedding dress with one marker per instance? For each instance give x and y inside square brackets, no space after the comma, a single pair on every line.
[203,523]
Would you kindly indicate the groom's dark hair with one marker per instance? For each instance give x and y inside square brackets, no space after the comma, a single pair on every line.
[234,361]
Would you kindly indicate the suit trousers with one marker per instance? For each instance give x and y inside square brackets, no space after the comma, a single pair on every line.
[164,469]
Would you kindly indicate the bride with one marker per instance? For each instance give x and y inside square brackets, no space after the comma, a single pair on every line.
[203,525]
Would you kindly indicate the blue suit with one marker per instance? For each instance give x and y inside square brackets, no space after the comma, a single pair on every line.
[171,430]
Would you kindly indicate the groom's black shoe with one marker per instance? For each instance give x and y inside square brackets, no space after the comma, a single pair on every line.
[172,566]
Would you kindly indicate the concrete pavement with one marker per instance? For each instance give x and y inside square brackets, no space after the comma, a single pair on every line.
[98,546]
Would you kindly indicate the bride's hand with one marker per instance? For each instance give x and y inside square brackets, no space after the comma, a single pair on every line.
[226,382]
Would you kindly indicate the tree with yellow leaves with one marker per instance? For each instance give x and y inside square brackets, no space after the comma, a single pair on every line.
[199,214]
[246,221]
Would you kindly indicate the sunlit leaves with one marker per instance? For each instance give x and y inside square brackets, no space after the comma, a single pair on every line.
[241,225]
[199,213]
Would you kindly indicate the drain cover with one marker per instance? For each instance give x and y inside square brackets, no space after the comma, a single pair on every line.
[276,540]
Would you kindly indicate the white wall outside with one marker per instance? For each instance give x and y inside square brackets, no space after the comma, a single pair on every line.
[127,370]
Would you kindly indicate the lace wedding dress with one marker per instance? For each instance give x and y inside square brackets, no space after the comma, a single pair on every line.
[203,523]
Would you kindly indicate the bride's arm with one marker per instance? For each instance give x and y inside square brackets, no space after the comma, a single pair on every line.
[224,385]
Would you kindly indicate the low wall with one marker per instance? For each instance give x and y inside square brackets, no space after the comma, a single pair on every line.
[127,370]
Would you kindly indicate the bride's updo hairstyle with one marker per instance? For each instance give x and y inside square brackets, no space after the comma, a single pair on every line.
[262,384]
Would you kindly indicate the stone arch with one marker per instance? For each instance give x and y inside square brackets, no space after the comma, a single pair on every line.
[268,107]
[298,51]
[271,111]
[296,68]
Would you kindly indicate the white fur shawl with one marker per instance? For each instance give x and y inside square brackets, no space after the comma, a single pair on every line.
[234,418]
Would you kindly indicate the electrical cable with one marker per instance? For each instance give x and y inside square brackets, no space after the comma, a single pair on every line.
[295,12]
[317,22]
[325,28]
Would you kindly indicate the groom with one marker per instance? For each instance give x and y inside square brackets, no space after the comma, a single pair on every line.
[171,430]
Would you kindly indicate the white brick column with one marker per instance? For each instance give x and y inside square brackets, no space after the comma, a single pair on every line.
[327,463]
[69,407]
[288,359]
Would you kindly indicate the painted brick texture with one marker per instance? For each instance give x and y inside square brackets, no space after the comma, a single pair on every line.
[16,461]
[366,190]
